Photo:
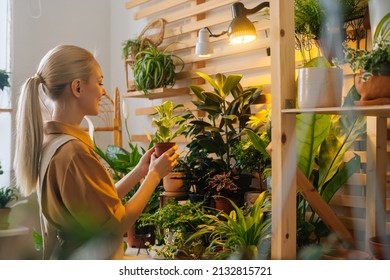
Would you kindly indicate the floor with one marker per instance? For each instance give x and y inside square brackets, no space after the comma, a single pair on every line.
[132,254]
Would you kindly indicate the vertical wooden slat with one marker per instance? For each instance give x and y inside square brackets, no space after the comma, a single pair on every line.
[376,176]
[283,244]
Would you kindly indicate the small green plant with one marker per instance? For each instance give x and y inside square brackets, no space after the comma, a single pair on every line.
[243,230]
[155,68]
[223,184]
[373,62]
[169,126]
[173,222]
[4,76]
[7,195]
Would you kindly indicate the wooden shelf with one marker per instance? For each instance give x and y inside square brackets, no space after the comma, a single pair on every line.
[377,110]
[5,110]
[157,93]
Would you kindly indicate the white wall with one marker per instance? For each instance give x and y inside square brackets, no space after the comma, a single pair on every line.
[37,26]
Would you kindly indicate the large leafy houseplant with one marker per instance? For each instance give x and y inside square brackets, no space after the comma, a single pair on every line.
[214,136]
[155,68]
[322,141]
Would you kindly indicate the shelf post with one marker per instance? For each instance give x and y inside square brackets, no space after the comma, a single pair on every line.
[283,244]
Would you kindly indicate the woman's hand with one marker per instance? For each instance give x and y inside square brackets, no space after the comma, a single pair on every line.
[164,164]
[143,164]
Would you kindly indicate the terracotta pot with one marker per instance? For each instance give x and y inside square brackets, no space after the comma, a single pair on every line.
[173,183]
[4,216]
[223,204]
[380,247]
[319,87]
[161,148]
[375,91]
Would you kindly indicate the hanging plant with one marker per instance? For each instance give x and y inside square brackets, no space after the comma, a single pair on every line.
[155,68]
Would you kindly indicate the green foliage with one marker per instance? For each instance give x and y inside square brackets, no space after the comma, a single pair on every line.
[37,241]
[155,68]
[371,63]
[4,76]
[227,110]
[242,230]
[169,126]
[173,222]
[130,48]
[321,145]
[7,195]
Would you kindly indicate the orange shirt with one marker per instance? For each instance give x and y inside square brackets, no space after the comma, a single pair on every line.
[79,197]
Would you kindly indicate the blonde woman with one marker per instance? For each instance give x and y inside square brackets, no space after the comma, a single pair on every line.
[82,215]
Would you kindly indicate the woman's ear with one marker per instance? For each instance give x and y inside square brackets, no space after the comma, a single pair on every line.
[76,87]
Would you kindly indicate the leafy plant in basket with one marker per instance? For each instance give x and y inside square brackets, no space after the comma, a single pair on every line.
[227,110]
[169,125]
[155,68]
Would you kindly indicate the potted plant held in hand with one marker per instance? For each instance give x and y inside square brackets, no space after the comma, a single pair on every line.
[169,126]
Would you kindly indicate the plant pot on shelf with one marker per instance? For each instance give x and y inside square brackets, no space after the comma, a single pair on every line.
[174,183]
[374,91]
[136,237]
[162,147]
[319,87]
[380,247]
[4,218]
[223,204]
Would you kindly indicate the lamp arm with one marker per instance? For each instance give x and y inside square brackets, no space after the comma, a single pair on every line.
[257,8]
[215,35]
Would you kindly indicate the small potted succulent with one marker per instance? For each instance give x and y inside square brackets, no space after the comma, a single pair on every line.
[169,125]
[372,68]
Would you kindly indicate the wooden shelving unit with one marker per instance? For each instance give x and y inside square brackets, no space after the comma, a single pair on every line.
[284,179]
[157,93]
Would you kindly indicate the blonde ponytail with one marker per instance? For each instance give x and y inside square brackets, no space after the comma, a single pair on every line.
[29,137]
[59,67]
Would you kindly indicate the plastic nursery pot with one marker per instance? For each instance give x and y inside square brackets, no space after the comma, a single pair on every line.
[319,87]
[160,148]
[380,247]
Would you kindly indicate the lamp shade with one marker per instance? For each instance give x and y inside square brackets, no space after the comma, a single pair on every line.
[203,47]
[241,30]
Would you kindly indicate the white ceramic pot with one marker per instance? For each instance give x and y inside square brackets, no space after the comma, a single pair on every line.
[377,10]
[319,87]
